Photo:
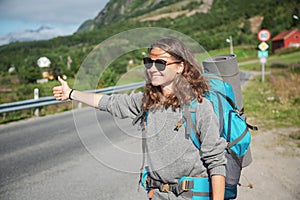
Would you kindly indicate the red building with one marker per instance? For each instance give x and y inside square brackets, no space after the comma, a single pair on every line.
[285,39]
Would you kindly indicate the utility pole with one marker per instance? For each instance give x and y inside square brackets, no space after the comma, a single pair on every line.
[229,40]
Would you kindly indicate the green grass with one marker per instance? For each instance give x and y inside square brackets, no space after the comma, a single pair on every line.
[242,52]
[276,102]
[255,65]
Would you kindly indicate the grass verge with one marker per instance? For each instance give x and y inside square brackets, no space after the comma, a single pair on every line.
[275,103]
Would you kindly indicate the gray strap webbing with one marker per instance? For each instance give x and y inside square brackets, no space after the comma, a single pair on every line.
[177,188]
[221,114]
[235,157]
[239,138]
[137,118]
[189,121]
[144,156]
[190,194]
[230,144]
[143,148]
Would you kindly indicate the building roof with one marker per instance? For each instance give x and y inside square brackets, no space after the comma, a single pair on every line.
[284,34]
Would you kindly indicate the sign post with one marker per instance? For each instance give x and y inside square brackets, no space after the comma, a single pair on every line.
[263,60]
[263,36]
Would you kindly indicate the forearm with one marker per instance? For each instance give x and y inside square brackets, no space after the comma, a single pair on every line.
[218,187]
[90,99]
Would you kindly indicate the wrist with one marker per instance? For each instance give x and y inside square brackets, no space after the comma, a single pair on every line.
[70,94]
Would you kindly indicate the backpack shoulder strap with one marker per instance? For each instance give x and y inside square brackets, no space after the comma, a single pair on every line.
[189,115]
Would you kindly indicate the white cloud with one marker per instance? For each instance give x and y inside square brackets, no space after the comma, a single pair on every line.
[20,18]
[43,33]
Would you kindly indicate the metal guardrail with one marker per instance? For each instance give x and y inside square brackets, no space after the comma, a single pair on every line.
[44,101]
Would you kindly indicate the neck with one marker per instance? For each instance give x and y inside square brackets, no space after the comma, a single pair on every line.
[167,90]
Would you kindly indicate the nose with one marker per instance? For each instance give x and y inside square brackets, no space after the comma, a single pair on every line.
[153,67]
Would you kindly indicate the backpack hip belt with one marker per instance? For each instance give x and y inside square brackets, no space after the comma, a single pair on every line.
[190,187]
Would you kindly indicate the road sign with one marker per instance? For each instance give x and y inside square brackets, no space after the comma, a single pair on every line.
[262,54]
[264,35]
[263,46]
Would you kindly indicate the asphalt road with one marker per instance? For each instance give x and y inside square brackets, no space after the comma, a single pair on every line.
[48,158]
[80,154]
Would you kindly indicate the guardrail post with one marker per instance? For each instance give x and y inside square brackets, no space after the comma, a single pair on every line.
[36,96]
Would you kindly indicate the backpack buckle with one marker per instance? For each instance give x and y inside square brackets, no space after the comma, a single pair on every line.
[186,185]
[165,188]
[228,145]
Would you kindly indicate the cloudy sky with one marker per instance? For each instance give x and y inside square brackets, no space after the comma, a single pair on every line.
[65,16]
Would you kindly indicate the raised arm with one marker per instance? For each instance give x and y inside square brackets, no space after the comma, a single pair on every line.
[64,92]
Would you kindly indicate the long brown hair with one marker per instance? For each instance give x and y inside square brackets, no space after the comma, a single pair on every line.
[188,85]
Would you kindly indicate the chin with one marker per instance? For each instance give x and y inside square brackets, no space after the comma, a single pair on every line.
[155,83]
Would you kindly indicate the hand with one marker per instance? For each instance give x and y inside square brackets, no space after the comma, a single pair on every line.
[61,92]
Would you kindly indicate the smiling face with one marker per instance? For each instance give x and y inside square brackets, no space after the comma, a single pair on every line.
[166,77]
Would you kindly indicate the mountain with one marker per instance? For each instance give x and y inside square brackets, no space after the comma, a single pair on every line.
[209,22]
[42,33]
[142,11]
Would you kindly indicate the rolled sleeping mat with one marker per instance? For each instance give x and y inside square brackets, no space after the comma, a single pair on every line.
[226,66]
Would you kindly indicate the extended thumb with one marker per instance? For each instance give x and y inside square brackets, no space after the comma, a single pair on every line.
[60,79]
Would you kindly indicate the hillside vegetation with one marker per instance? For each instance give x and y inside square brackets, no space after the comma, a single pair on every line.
[209,22]
[206,21]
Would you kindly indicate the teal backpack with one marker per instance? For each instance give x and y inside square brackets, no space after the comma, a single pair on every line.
[233,128]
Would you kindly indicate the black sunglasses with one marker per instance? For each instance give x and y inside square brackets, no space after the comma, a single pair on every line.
[160,64]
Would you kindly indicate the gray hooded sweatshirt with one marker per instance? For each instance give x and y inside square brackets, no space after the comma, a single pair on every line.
[170,153]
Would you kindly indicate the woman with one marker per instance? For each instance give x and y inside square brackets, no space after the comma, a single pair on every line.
[173,81]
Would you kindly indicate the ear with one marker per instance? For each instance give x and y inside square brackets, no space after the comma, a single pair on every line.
[180,68]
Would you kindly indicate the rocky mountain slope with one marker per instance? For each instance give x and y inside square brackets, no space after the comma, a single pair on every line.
[151,10]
